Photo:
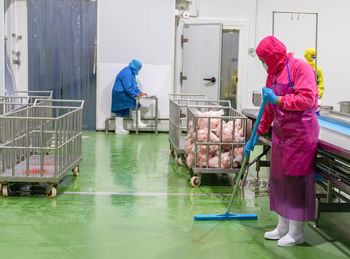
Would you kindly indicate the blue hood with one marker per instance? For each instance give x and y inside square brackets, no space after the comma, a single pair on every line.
[135,65]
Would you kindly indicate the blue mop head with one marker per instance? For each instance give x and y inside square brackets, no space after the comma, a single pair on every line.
[225,216]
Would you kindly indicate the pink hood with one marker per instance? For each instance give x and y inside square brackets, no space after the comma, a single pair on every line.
[273,52]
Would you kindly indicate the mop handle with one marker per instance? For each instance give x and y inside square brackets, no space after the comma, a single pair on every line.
[252,136]
[257,122]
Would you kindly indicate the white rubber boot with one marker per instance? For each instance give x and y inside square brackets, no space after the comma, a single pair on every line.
[280,230]
[295,234]
[119,126]
[141,124]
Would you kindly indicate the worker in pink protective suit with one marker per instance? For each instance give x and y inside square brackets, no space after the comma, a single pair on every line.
[291,93]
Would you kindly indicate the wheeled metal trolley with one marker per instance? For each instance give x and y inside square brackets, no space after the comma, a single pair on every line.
[21,99]
[178,123]
[12,103]
[33,95]
[41,143]
[217,148]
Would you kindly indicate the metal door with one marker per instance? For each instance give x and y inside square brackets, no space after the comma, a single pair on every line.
[201,45]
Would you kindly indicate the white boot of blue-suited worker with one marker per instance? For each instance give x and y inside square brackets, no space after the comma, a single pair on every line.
[141,124]
[295,235]
[280,231]
[119,126]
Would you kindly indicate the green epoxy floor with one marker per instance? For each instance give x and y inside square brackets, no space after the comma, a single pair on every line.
[90,218]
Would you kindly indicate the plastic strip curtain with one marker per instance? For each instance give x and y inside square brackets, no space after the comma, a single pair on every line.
[61,47]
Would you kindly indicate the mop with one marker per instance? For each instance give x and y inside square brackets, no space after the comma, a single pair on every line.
[227,215]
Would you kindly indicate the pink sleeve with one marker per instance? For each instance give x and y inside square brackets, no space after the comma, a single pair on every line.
[266,120]
[305,89]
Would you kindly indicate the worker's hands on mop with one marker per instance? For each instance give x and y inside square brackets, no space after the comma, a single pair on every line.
[141,94]
[269,95]
[249,146]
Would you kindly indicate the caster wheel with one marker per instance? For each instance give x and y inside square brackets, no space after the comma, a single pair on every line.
[76,171]
[5,190]
[195,181]
[52,193]
[180,161]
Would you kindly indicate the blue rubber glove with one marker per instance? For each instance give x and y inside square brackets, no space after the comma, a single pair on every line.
[269,95]
[249,146]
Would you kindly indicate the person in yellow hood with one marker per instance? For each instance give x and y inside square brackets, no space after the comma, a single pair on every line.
[310,56]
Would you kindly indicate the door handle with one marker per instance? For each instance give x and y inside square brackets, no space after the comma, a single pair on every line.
[213,80]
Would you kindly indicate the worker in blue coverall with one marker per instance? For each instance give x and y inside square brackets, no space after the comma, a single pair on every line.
[124,92]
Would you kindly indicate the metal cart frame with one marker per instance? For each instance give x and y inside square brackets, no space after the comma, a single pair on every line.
[178,123]
[33,95]
[41,143]
[232,115]
[9,104]
[21,99]
[155,118]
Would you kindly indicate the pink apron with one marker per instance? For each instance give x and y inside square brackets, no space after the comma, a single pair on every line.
[292,172]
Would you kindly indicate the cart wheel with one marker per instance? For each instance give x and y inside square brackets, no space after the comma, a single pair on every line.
[5,190]
[195,181]
[76,171]
[180,161]
[52,193]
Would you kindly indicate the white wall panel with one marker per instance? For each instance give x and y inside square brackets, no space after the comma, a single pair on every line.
[135,29]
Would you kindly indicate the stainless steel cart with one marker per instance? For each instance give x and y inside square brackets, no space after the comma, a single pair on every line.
[12,103]
[41,143]
[33,95]
[178,123]
[229,115]
[20,99]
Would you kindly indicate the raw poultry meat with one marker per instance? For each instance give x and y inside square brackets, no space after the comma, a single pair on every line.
[214,162]
[212,149]
[202,135]
[238,123]
[214,122]
[217,127]
[189,146]
[201,160]
[214,138]
[189,160]
[238,154]
[225,161]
